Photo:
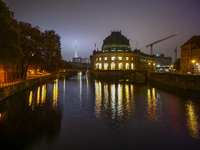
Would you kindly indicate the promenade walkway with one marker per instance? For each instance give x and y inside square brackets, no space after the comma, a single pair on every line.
[5,84]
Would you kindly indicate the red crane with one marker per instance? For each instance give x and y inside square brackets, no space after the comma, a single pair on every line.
[151,44]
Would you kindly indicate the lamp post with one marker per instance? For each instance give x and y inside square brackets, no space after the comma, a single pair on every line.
[193,62]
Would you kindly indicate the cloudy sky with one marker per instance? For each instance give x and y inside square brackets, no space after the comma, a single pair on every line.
[87,22]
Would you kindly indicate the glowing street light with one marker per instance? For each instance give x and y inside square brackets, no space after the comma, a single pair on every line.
[193,61]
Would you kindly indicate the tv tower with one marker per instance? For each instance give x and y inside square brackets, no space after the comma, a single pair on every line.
[76,49]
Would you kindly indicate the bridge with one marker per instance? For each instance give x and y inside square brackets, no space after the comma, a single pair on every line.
[73,70]
[131,75]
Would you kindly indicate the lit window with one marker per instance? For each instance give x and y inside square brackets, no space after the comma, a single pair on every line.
[112,66]
[131,58]
[112,58]
[120,66]
[132,66]
[105,66]
[127,66]
[99,58]
[96,66]
[100,66]
[127,58]
[120,58]
[105,58]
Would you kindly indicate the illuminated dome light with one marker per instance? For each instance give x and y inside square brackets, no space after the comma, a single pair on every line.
[116,42]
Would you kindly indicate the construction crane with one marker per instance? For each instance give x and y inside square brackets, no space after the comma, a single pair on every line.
[151,44]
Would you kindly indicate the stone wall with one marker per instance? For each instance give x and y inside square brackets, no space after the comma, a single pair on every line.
[189,82]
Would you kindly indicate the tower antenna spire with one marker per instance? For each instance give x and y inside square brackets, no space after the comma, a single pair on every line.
[76,50]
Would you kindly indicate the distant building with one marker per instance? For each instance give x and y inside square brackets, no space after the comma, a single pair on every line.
[190,56]
[80,62]
[162,63]
[116,54]
[77,60]
[86,60]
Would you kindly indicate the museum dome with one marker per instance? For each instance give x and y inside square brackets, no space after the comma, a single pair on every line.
[116,42]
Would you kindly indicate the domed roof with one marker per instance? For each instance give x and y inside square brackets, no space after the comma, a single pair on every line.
[116,42]
[116,38]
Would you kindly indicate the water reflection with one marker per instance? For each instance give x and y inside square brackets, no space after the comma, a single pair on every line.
[40,97]
[30,98]
[112,91]
[124,114]
[116,100]
[192,120]
[44,92]
[97,98]
[55,93]
[174,115]
[127,99]
[120,100]
[79,77]
[153,100]
[28,116]
[64,89]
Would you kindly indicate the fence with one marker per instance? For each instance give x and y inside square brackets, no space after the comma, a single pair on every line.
[5,84]
[14,81]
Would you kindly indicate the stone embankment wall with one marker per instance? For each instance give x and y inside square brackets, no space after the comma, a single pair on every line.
[10,90]
[188,82]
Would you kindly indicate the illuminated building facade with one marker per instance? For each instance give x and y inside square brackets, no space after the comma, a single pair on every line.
[190,56]
[11,73]
[116,54]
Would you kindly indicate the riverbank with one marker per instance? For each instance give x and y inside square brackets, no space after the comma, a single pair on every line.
[12,89]
[187,82]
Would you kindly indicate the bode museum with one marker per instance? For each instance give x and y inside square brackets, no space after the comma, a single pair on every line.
[116,54]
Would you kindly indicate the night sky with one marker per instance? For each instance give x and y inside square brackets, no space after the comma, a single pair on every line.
[87,22]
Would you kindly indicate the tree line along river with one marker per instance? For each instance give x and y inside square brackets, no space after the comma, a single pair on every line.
[84,113]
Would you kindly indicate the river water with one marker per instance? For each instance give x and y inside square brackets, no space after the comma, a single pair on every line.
[83,113]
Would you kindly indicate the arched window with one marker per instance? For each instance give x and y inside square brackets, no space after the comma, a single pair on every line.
[96,66]
[127,66]
[120,66]
[112,66]
[100,66]
[105,66]
[132,66]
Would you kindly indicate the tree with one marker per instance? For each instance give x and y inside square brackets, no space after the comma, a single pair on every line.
[52,51]
[31,45]
[40,49]
[177,64]
[10,52]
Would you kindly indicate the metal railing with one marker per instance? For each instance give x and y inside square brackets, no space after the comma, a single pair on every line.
[9,83]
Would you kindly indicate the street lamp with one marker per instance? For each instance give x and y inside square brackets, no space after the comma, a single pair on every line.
[193,61]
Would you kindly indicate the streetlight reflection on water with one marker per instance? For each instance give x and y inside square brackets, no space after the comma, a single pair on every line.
[192,120]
